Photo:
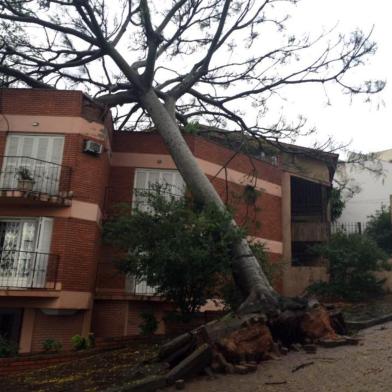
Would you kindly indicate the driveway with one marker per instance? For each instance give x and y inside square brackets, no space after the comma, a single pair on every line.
[363,368]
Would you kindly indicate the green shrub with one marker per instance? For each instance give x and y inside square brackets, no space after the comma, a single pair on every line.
[149,325]
[379,228]
[352,259]
[337,204]
[81,343]
[177,246]
[51,345]
[8,348]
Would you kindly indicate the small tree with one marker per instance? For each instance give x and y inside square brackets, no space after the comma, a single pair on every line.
[379,229]
[177,246]
[352,259]
[337,204]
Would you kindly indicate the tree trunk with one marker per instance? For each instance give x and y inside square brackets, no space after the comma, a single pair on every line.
[254,285]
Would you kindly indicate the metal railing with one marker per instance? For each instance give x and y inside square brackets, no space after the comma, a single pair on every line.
[349,227]
[34,175]
[135,197]
[28,270]
[135,287]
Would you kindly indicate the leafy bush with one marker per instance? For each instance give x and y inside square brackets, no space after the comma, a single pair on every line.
[8,348]
[81,343]
[351,260]
[149,325]
[379,228]
[337,204]
[178,247]
[51,345]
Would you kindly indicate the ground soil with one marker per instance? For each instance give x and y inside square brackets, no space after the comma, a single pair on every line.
[367,367]
[90,374]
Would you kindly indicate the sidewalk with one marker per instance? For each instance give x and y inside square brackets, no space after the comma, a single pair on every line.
[363,368]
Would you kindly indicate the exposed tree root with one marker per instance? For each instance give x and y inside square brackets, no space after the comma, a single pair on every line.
[238,342]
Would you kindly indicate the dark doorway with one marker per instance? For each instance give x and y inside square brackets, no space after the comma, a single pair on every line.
[10,323]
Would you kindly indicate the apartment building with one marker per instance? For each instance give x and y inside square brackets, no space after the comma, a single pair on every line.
[63,168]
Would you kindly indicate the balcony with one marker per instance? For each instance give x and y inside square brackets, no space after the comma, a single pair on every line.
[310,231]
[30,181]
[21,269]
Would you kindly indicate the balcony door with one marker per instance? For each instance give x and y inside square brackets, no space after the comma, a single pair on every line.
[144,180]
[147,178]
[39,155]
[24,252]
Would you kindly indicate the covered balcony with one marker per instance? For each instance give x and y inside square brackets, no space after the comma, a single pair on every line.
[30,181]
[26,270]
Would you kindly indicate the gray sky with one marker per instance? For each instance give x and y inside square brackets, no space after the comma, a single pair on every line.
[367,125]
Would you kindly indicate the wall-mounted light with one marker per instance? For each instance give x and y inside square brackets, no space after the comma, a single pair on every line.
[35,124]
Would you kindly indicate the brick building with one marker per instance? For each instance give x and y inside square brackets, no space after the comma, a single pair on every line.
[63,168]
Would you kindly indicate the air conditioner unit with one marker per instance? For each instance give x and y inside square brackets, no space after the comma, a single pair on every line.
[91,147]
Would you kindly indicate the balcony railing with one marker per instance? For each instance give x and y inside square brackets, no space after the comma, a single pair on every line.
[34,176]
[135,287]
[21,269]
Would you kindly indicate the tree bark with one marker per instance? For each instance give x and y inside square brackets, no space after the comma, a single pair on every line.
[250,278]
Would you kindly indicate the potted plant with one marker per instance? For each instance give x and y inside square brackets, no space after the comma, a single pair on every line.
[25,179]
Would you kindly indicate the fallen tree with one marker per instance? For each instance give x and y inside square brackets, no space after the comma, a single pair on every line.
[236,344]
[174,62]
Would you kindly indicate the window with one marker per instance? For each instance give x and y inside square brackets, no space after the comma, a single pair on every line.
[24,252]
[10,323]
[306,198]
[38,155]
[146,178]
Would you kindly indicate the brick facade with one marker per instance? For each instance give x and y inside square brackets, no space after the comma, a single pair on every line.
[91,295]
[59,328]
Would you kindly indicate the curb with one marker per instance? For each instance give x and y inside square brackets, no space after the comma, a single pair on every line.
[356,325]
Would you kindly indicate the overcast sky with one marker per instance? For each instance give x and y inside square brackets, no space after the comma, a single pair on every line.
[367,125]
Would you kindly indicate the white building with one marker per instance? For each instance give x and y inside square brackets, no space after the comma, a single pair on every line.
[374,190]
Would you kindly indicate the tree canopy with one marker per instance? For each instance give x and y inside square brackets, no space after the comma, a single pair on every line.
[202,58]
[170,62]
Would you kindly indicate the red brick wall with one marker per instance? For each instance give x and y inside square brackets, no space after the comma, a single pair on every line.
[60,328]
[41,102]
[142,142]
[159,309]
[3,138]
[213,152]
[109,277]
[120,186]
[108,318]
[263,219]
[89,173]
[78,244]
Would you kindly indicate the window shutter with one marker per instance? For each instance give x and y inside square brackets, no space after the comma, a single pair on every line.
[55,157]
[42,148]
[56,153]
[11,162]
[45,235]
[13,142]
[27,147]
[43,248]
[179,184]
